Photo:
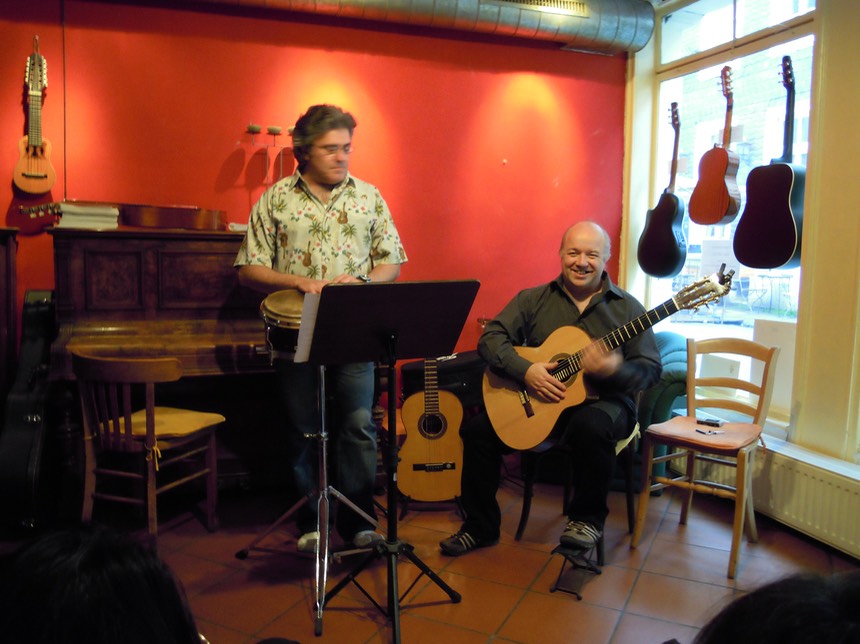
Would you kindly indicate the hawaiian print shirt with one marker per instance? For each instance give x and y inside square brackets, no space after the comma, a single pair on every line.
[292,231]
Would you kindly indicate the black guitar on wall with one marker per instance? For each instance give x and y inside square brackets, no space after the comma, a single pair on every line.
[768,234]
[662,245]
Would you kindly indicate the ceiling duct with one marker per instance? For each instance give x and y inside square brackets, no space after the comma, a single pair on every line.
[597,26]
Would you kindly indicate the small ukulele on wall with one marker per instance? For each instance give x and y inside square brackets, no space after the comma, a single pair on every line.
[662,246]
[34,173]
[716,198]
[769,231]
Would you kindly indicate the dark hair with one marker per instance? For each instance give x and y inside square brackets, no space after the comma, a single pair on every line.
[311,125]
[91,585]
[801,609]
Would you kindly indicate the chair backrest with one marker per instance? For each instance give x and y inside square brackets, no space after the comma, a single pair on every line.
[112,389]
[721,390]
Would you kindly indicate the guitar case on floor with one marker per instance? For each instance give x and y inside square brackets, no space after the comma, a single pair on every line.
[27,458]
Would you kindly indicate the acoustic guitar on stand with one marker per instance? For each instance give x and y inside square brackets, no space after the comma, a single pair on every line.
[768,234]
[522,422]
[662,245]
[34,173]
[716,198]
[431,457]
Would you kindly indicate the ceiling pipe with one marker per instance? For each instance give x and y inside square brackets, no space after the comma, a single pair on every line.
[595,26]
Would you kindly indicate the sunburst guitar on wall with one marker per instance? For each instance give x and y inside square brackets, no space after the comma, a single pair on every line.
[716,198]
[522,421]
[431,456]
[662,246]
[34,173]
[768,234]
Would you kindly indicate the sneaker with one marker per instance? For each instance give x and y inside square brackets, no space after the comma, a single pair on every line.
[579,534]
[462,542]
[366,538]
[308,542]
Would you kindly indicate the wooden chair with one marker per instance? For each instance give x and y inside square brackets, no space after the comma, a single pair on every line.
[128,453]
[706,455]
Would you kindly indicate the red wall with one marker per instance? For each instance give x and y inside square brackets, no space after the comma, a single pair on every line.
[485,150]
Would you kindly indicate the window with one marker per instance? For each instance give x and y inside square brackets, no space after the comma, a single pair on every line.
[697,43]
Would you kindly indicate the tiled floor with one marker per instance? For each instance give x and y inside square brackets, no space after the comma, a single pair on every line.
[665,589]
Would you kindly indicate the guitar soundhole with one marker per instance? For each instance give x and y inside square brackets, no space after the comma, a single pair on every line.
[565,371]
[433,425]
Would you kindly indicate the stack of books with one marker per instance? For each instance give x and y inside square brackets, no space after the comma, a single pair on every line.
[84,214]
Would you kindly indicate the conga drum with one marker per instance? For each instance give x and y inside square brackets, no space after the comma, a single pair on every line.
[282,313]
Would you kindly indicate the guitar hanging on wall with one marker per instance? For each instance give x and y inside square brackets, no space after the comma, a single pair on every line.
[716,198]
[662,245]
[431,457]
[768,234]
[34,173]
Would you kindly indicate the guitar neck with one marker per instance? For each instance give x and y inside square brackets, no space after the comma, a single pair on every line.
[674,168]
[727,128]
[34,122]
[573,364]
[431,387]
[788,135]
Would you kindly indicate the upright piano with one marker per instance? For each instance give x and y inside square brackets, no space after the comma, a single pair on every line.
[135,291]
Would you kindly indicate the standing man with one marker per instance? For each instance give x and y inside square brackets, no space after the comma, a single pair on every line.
[583,296]
[323,226]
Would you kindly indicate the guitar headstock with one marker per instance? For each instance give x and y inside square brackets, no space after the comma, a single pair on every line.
[726,81]
[36,72]
[675,117]
[705,291]
[787,74]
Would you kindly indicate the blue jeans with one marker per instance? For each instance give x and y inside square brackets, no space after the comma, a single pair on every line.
[352,453]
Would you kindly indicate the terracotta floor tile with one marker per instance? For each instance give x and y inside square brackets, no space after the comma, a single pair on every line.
[559,618]
[688,561]
[676,600]
[635,629]
[484,607]
[494,564]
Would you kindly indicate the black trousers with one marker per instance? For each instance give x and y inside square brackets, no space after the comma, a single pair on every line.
[591,429]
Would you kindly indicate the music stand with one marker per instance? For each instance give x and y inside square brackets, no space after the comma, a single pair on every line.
[383,323]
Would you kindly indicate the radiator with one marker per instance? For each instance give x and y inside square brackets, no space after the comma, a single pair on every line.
[813,494]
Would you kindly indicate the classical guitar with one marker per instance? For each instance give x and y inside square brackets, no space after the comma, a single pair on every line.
[34,173]
[662,245]
[522,421]
[431,456]
[768,234]
[716,198]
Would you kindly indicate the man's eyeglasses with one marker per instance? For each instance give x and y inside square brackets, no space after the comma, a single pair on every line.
[331,150]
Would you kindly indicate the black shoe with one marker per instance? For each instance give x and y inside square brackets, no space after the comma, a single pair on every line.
[579,534]
[462,542]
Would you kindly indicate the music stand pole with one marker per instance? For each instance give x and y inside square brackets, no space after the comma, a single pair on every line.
[396,321]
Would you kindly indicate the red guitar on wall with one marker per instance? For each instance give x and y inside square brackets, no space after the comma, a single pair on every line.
[768,234]
[716,198]
[34,173]
[662,245]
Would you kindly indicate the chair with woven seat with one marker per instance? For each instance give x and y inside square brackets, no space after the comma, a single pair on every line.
[131,445]
[707,450]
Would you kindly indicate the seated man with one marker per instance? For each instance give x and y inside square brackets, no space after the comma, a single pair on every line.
[585,297]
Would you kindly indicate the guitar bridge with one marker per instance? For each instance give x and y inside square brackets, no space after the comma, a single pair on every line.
[434,467]
[526,402]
